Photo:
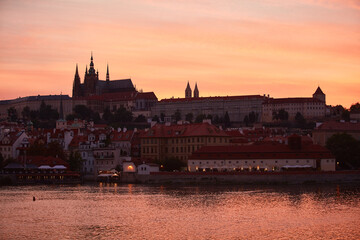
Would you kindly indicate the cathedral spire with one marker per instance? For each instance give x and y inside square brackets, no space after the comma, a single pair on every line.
[188,91]
[196,91]
[107,74]
[91,61]
[76,85]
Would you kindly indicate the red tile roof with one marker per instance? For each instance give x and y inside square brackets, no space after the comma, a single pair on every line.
[184,130]
[339,126]
[121,136]
[261,151]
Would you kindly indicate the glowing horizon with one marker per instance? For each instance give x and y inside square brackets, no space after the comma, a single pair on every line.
[249,47]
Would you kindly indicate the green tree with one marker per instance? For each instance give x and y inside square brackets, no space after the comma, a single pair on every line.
[162,117]
[253,117]
[189,117]
[140,118]
[55,149]
[70,117]
[355,108]
[177,115]
[172,163]
[200,118]
[300,120]
[346,149]
[108,116]
[122,115]
[12,114]
[75,161]
[156,118]
[82,112]
[283,115]
[246,120]
[345,115]
[227,122]
[26,113]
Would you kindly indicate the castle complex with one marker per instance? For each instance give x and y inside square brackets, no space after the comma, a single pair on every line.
[99,95]
[93,86]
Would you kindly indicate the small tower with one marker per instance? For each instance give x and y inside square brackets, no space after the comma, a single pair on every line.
[319,95]
[188,91]
[196,91]
[76,85]
[107,74]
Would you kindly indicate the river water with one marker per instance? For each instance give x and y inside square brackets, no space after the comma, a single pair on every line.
[111,211]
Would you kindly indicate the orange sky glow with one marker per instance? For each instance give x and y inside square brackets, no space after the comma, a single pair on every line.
[230,47]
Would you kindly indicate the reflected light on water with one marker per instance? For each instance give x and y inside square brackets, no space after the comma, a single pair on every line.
[112,211]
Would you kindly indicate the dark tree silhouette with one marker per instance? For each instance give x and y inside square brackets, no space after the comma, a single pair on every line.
[346,149]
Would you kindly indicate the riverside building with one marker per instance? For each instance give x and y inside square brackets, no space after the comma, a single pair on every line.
[164,141]
[270,156]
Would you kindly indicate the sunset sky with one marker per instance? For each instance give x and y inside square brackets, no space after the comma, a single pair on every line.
[229,47]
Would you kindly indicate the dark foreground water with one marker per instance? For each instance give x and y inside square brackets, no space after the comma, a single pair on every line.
[110,211]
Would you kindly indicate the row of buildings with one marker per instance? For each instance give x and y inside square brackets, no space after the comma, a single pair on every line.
[202,146]
[112,94]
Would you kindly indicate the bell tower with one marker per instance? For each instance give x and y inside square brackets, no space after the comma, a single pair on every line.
[188,91]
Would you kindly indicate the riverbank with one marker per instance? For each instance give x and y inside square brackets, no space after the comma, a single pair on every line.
[242,178]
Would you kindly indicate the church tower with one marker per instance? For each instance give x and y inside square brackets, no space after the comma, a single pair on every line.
[107,74]
[76,85]
[188,91]
[91,79]
[319,95]
[196,91]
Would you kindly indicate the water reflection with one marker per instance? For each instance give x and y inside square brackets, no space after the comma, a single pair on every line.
[112,211]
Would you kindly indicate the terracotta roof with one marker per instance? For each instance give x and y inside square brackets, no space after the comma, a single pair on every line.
[121,136]
[339,126]
[261,151]
[184,130]
[212,98]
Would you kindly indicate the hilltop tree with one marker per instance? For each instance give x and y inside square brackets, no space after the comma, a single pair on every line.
[122,115]
[346,149]
[12,114]
[26,113]
[189,117]
[355,108]
[177,115]
[227,122]
[200,118]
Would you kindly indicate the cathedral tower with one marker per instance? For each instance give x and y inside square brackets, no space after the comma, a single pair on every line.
[196,91]
[188,91]
[91,79]
[76,85]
